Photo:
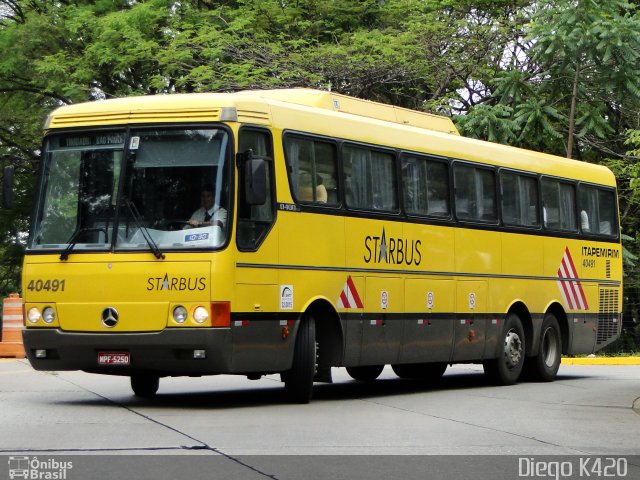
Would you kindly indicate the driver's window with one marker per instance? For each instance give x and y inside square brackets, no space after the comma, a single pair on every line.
[255,221]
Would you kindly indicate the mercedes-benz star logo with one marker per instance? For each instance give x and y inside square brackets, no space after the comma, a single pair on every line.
[110,317]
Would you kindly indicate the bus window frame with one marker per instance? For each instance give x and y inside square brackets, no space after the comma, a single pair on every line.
[306,204]
[398,213]
[270,162]
[452,220]
[496,194]
[616,223]
[41,185]
[426,217]
[230,166]
[556,231]
[520,228]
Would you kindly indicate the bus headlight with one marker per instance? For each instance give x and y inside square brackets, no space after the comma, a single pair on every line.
[200,314]
[179,314]
[48,315]
[34,315]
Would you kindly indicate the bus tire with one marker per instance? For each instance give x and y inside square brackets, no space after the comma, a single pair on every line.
[298,381]
[145,386]
[420,371]
[506,369]
[544,366]
[366,373]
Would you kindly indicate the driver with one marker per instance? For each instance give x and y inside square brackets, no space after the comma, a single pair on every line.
[208,213]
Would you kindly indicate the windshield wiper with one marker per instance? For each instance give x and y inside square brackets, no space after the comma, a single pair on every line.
[73,240]
[145,233]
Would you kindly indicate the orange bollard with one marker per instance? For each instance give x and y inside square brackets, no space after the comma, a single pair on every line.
[12,324]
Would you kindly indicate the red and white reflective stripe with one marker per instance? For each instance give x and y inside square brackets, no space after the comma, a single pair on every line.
[349,297]
[571,290]
[496,321]
[376,322]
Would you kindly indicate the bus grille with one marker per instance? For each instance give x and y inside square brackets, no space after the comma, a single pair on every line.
[608,316]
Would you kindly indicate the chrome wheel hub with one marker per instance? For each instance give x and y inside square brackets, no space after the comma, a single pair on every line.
[512,349]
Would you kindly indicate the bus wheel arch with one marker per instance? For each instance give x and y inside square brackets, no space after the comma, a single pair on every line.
[520,309]
[329,333]
[563,322]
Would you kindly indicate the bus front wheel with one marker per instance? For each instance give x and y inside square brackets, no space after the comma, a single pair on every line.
[298,381]
[366,373]
[506,369]
[145,385]
[544,366]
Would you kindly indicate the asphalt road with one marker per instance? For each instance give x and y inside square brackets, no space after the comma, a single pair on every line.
[375,430]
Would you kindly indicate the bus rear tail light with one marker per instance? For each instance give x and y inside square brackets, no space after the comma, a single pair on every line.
[221,314]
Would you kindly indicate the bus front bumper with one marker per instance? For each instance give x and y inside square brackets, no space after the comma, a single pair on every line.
[180,351]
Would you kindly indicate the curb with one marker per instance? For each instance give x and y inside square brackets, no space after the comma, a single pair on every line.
[601,361]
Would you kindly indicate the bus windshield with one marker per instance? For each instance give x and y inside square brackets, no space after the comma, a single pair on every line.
[131,190]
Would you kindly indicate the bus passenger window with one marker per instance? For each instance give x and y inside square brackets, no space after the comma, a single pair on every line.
[559,203]
[312,168]
[597,211]
[425,186]
[519,200]
[475,193]
[370,179]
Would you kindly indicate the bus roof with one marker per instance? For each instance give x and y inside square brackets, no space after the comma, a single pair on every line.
[160,107]
[324,113]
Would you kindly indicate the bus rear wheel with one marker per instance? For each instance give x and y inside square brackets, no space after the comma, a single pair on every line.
[420,371]
[366,373]
[298,381]
[506,369]
[544,366]
[145,385]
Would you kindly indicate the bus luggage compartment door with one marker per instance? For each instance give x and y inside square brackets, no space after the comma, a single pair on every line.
[382,328]
[470,321]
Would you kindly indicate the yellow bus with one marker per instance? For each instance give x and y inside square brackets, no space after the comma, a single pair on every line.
[292,231]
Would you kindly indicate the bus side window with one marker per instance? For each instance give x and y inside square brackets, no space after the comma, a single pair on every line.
[312,168]
[254,221]
[370,178]
[475,193]
[425,186]
[559,200]
[519,199]
[597,211]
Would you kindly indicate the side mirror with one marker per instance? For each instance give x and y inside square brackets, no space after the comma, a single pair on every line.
[255,179]
[7,187]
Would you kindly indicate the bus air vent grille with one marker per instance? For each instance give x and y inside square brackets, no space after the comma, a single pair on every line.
[608,317]
[138,116]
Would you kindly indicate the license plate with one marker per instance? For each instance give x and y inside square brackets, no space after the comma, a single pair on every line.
[114,358]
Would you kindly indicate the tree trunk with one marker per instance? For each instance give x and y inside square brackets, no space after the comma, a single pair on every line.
[572,112]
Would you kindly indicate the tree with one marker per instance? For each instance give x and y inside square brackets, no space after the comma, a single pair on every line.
[576,77]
